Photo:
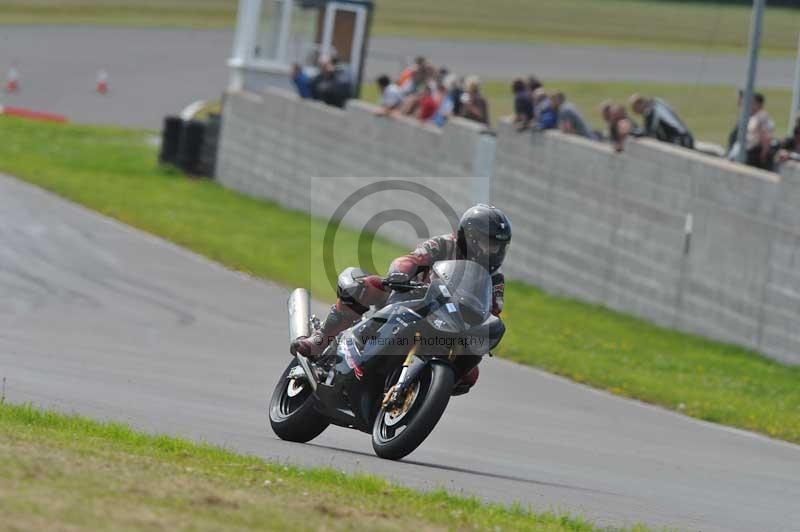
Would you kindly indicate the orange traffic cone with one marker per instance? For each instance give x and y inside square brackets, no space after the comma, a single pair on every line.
[102,82]
[12,80]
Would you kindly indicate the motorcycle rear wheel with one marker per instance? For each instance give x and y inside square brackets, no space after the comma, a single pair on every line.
[394,437]
[293,418]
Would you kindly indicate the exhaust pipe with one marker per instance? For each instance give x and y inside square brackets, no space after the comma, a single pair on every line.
[299,307]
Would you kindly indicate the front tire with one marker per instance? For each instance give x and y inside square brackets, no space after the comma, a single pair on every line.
[401,437]
[293,418]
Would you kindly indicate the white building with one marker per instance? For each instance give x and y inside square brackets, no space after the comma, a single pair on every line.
[271,35]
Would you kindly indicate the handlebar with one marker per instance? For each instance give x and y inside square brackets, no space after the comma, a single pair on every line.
[403,287]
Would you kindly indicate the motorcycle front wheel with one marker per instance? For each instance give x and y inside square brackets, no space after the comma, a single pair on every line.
[291,410]
[398,431]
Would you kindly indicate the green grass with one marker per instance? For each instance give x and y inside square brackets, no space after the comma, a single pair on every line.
[113,171]
[631,23]
[709,110]
[133,13]
[62,472]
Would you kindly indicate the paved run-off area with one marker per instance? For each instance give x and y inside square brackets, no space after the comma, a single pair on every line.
[155,72]
[106,321]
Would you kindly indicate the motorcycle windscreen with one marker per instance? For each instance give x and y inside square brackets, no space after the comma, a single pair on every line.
[470,285]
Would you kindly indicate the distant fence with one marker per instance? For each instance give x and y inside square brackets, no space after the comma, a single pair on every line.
[681,239]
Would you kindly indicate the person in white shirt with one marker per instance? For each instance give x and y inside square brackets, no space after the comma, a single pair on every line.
[391,96]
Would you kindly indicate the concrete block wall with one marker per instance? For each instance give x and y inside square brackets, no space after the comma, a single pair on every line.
[612,229]
[309,156]
[603,227]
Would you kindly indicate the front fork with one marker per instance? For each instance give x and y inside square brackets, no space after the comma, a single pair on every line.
[412,365]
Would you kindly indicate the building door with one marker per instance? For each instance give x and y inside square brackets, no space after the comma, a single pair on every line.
[343,33]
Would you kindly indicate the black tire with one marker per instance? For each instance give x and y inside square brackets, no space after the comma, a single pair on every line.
[294,418]
[436,384]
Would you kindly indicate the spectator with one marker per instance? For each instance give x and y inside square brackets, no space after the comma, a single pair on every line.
[456,87]
[758,138]
[619,125]
[427,104]
[446,104]
[533,84]
[301,81]
[790,147]
[414,81]
[412,91]
[543,111]
[408,72]
[792,142]
[391,96]
[473,104]
[523,105]
[661,122]
[330,85]
[570,119]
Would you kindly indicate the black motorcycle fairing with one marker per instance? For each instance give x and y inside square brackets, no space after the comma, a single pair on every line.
[369,352]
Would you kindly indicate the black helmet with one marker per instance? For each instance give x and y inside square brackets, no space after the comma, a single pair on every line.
[484,234]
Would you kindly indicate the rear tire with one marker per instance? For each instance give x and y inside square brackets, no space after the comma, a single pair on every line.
[294,418]
[436,384]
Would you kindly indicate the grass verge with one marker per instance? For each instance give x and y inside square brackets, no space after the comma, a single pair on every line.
[700,27]
[113,171]
[62,472]
[709,110]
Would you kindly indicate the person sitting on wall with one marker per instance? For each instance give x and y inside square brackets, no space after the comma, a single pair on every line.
[456,90]
[332,84]
[661,122]
[523,105]
[391,96]
[427,105]
[570,120]
[473,105]
[412,91]
[619,125]
[545,114]
[533,84]
[301,81]
[408,72]
[446,103]
[790,147]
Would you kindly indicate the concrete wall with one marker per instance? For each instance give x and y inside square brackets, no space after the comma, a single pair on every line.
[277,146]
[611,229]
[603,227]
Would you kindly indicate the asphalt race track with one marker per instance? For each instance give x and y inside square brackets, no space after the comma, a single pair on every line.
[155,72]
[101,319]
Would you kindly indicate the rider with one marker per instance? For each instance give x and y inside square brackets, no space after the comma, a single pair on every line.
[483,236]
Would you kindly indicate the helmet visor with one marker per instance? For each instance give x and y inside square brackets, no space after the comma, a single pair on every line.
[490,253]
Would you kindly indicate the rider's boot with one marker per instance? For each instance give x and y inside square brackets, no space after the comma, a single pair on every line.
[340,318]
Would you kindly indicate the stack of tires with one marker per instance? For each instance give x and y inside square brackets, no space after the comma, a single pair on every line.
[190,145]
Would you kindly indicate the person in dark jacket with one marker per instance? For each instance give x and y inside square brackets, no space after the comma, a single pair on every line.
[661,122]
[523,105]
[483,236]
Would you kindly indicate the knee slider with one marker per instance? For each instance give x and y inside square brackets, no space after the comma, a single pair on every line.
[351,290]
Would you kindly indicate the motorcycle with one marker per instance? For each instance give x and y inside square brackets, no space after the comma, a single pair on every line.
[391,374]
